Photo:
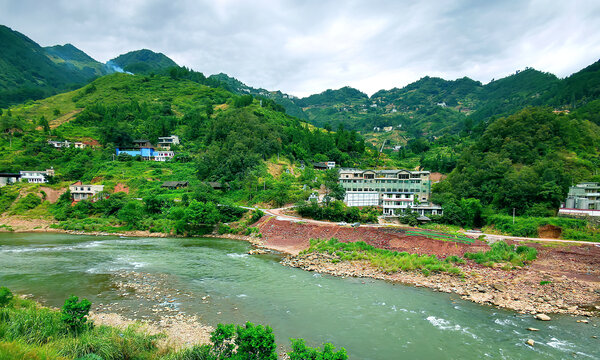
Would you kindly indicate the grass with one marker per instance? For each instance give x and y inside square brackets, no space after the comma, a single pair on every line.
[385,260]
[501,252]
[444,237]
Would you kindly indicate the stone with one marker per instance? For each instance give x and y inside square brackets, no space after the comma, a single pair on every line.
[543,317]
[533,329]
[499,287]
[582,321]
[530,342]
[572,308]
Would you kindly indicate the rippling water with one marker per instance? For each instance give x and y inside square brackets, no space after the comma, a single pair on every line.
[371,319]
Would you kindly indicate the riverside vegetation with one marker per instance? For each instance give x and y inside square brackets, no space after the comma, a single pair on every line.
[393,261]
[28,330]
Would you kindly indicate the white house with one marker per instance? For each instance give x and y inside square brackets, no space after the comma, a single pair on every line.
[35,176]
[80,191]
[165,142]
[59,144]
[163,155]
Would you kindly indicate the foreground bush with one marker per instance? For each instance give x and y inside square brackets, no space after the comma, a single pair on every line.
[75,312]
[302,352]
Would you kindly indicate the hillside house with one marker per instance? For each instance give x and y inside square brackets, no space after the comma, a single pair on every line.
[324,165]
[166,142]
[396,191]
[79,145]
[9,178]
[582,200]
[141,143]
[36,176]
[172,185]
[162,155]
[388,128]
[80,191]
[59,144]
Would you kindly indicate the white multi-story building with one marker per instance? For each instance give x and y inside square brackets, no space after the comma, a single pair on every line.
[166,142]
[163,155]
[80,191]
[582,199]
[35,176]
[396,191]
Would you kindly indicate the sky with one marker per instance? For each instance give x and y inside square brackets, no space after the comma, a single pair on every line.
[305,47]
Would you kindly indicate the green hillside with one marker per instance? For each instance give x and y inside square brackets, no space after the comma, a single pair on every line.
[143,61]
[77,59]
[238,87]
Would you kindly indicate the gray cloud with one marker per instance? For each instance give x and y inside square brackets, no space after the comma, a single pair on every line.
[304,47]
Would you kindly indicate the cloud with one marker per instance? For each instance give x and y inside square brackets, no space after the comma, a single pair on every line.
[303,47]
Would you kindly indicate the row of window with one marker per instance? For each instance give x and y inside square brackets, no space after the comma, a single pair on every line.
[381,181]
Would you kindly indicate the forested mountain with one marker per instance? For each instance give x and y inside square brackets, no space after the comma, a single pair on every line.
[77,60]
[238,87]
[28,72]
[142,61]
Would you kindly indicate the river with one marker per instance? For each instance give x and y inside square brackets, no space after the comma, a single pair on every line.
[371,319]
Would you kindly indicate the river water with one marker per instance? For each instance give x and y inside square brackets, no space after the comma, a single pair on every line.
[371,319]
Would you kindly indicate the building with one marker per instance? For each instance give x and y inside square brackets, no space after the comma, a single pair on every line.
[166,142]
[142,143]
[59,144]
[396,191]
[79,145]
[172,185]
[9,178]
[388,128]
[582,199]
[162,155]
[327,165]
[80,191]
[36,177]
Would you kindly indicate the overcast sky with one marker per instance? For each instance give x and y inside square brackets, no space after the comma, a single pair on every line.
[305,47]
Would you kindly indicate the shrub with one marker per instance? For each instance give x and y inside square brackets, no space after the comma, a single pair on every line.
[74,312]
[5,296]
[302,352]
[28,202]
[255,342]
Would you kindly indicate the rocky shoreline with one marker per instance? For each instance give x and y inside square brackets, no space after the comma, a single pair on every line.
[517,290]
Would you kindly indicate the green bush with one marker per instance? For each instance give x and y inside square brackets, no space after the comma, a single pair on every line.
[5,296]
[302,352]
[74,312]
[30,201]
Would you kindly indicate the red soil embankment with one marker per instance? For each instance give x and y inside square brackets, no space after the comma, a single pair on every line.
[294,237]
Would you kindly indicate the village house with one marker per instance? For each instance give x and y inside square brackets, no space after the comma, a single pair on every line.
[36,176]
[141,143]
[166,142]
[9,178]
[324,165]
[172,185]
[396,191]
[79,145]
[388,128]
[162,155]
[80,191]
[59,144]
[582,200]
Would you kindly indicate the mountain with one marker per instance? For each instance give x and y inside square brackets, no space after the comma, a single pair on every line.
[77,60]
[28,72]
[237,87]
[142,61]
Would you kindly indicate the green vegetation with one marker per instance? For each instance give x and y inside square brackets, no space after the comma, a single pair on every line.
[385,260]
[28,331]
[338,211]
[573,229]
[502,252]
[142,61]
[392,261]
[456,237]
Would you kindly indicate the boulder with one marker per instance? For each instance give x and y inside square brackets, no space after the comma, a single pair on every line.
[533,329]
[530,342]
[543,317]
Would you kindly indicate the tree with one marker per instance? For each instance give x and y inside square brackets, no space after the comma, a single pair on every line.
[255,342]
[74,312]
[131,213]
[302,352]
